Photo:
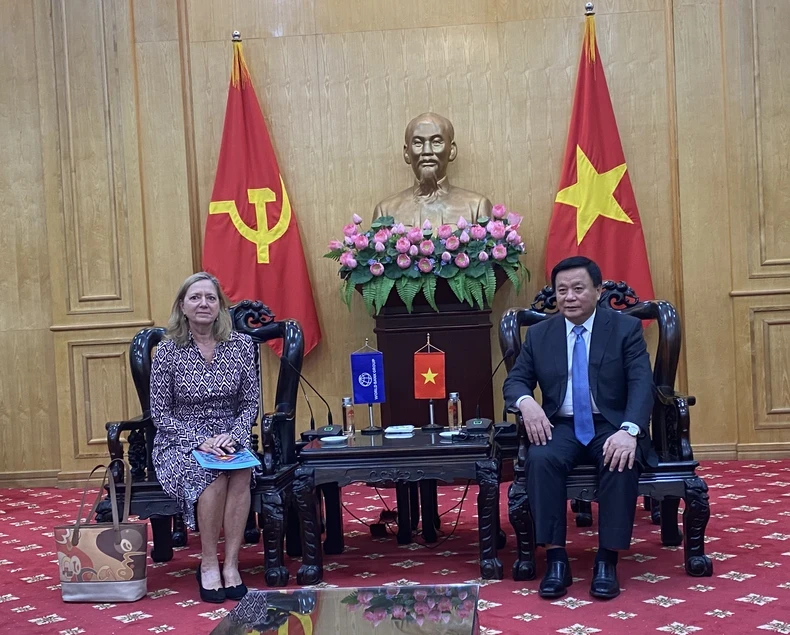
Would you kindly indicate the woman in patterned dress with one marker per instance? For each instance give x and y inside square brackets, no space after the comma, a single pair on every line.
[204,395]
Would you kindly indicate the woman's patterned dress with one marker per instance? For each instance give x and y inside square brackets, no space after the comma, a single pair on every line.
[192,401]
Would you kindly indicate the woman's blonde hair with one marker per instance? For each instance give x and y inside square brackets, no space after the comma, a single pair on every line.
[178,325]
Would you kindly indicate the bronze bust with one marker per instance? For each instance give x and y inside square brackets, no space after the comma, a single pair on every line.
[429,147]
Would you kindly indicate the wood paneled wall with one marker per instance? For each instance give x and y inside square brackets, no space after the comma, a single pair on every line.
[111,114]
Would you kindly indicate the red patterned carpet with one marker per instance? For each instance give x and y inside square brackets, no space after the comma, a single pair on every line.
[748,538]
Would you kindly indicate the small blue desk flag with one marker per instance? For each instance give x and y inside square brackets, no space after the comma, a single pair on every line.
[367,376]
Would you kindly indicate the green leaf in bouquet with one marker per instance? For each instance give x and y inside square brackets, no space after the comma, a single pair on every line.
[483,220]
[407,290]
[457,284]
[489,285]
[392,252]
[512,274]
[474,289]
[346,293]
[383,289]
[393,273]
[429,291]
[477,269]
[412,273]
[382,221]
[360,275]
[334,254]
[369,294]
[512,258]
[366,254]
[448,271]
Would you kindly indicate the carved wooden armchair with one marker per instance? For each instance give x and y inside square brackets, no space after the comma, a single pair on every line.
[675,477]
[271,498]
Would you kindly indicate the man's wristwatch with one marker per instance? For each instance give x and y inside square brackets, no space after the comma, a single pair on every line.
[631,428]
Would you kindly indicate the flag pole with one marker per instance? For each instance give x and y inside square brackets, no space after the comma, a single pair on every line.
[432,425]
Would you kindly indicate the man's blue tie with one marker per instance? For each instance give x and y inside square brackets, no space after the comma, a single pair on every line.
[583,424]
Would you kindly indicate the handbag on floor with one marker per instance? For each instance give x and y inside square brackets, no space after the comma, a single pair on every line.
[103,562]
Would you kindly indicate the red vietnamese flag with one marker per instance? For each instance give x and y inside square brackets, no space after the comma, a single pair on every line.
[595,213]
[252,240]
[429,375]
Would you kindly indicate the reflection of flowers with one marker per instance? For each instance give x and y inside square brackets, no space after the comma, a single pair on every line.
[445,604]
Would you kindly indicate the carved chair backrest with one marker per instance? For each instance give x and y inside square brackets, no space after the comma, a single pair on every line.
[256,320]
[616,296]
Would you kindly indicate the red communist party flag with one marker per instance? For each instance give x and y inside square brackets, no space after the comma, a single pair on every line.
[252,240]
[595,213]
[429,375]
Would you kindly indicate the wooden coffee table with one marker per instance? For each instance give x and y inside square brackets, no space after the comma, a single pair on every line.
[380,460]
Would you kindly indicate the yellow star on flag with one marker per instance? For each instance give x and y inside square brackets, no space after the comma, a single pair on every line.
[430,376]
[593,195]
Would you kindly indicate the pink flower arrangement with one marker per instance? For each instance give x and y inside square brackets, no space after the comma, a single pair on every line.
[411,260]
[426,247]
[478,232]
[403,261]
[444,232]
[377,269]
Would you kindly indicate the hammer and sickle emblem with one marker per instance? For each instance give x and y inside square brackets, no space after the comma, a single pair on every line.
[263,236]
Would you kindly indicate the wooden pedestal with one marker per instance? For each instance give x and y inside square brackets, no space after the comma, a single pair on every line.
[464,336]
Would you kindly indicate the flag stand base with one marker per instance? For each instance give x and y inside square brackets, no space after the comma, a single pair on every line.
[432,426]
[372,430]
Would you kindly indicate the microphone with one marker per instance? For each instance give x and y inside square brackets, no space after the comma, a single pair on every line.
[479,423]
[329,429]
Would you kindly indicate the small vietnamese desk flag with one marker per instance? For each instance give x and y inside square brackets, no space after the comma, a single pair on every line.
[595,213]
[367,375]
[252,240]
[429,375]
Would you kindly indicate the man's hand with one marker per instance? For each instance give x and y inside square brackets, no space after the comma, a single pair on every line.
[619,450]
[535,421]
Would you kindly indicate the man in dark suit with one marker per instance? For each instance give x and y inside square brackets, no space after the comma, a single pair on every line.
[594,374]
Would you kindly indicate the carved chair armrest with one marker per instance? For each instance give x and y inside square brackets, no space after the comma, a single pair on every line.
[523,442]
[676,409]
[114,444]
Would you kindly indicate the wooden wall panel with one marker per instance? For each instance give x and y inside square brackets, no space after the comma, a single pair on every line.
[28,410]
[702,136]
[115,111]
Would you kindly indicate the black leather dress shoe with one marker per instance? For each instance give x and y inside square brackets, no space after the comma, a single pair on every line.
[604,583]
[556,581]
[215,596]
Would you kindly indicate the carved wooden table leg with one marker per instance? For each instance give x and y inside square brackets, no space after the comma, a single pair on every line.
[180,533]
[273,512]
[670,533]
[403,495]
[335,540]
[414,505]
[521,520]
[293,544]
[428,501]
[312,569]
[161,528]
[488,518]
[695,520]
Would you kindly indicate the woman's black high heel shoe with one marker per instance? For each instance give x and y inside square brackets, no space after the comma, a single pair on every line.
[215,596]
[235,592]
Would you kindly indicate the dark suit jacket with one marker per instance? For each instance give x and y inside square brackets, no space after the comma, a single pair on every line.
[621,380]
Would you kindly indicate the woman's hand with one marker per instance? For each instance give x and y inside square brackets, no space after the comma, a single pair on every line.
[219,445]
